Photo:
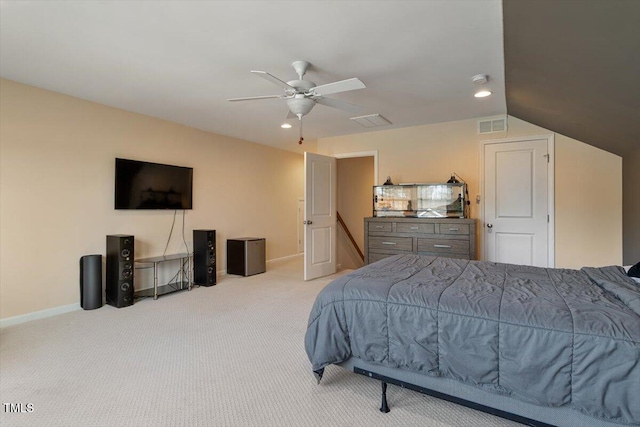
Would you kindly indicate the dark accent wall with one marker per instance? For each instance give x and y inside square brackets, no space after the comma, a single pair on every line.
[631,207]
[573,67]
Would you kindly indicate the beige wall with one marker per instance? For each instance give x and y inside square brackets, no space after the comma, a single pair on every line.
[631,172]
[354,182]
[588,205]
[588,191]
[57,183]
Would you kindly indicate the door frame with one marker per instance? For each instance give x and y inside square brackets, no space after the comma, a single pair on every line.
[300,218]
[373,153]
[551,255]
[356,155]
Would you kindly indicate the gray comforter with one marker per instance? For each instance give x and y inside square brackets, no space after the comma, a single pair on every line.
[551,337]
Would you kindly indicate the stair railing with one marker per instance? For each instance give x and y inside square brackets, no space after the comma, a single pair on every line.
[353,242]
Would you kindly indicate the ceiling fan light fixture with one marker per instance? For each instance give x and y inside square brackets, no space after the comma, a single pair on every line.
[300,105]
[482,93]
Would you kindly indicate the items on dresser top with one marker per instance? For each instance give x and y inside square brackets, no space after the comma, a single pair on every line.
[444,200]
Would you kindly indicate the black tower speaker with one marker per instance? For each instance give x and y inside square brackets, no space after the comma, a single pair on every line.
[204,257]
[119,286]
[91,282]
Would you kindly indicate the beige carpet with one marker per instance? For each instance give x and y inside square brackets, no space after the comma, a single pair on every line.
[229,355]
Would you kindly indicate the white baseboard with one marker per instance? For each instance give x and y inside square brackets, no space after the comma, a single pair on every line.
[269,261]
[15,320]
[10,321]
[285,258]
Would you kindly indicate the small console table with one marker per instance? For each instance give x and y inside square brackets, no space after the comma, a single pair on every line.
[183,280]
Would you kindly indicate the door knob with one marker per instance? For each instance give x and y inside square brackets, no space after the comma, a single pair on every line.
[307,222]
[489,225]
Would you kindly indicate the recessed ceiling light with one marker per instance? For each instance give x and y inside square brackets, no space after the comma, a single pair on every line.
[285,126]
[482,93]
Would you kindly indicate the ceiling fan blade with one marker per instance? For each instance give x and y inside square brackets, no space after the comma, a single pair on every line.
[273,79]
[291,115]
[341,86]
[251,98]
[341,105]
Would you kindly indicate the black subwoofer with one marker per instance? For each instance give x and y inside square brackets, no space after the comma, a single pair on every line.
[204,257]
[91,282]
[119,278]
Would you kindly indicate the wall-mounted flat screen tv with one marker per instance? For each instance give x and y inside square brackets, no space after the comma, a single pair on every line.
[145,185]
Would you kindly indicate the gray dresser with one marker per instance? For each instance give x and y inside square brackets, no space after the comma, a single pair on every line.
[447,237]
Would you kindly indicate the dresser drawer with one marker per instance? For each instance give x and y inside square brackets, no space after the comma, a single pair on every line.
[380,227]
[453,229]
[403,227]
[403,244]
[443,246]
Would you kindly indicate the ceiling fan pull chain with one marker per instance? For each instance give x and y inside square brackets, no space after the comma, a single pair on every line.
[301,138]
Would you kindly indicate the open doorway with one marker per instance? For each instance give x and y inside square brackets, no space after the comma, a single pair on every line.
[356,175]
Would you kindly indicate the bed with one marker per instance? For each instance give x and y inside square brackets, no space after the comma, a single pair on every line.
[540,346]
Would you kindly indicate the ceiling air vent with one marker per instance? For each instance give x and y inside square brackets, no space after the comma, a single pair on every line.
[492,125]
[372,120]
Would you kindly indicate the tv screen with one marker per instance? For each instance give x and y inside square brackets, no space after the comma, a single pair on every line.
[144,185]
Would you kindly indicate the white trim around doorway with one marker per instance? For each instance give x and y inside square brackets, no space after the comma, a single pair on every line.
[373,154]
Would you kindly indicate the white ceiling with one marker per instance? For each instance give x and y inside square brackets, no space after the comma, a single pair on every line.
[182,60]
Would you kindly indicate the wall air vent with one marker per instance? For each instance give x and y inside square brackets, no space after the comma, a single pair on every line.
[372,120]
[492,125]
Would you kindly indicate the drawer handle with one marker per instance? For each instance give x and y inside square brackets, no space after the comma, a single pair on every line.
[415,228]
[441,246]
[388,243]
[379,226]
[454,229]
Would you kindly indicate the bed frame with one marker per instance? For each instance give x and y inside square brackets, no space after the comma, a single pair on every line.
[473,397]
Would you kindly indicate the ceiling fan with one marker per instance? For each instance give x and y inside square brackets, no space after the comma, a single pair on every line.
[302,95]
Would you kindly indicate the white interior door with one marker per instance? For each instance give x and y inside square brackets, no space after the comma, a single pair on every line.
[517,207]
[320,216]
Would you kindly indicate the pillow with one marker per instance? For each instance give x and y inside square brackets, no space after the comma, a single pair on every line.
[634,271]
